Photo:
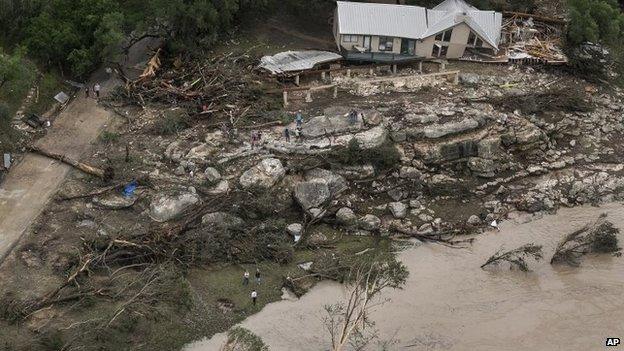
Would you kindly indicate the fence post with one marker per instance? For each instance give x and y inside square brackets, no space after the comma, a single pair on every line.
[309,95]
[335,91]
[285,96]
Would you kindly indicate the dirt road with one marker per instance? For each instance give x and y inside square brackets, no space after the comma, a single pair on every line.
[31,183]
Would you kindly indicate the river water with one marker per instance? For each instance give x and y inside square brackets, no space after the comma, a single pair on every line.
[449,303]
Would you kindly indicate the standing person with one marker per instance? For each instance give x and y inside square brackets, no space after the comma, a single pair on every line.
[96,89]
[353,116]
[257,275]
[86,91]
[254,297]
[299,119]
[298,134]
[246,277]
[287,134]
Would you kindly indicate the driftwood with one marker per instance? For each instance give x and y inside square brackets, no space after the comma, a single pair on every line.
[105,174]
[445,238]
[103,190]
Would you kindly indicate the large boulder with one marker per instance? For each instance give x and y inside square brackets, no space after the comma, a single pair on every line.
[370,222]
[372,138]
[167,207]
[222,220]
[441,130]
[212,175]
[336,182]
[324,125]
[398,209]
[312,194]
[265,174]
[346,216]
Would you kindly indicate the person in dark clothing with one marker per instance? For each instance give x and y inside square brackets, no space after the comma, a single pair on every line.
[287,135]
[257,275]
[86,91]
[246,278]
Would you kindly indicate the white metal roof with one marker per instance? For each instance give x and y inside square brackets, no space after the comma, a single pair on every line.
[416,22]
[292,61]
[381,19]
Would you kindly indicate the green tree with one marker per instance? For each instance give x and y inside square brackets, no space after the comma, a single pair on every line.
[594,21]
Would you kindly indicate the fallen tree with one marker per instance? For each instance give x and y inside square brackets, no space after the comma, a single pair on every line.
[596,237]
[516,257]
[104,174]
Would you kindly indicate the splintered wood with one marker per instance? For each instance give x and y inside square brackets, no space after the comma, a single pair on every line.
[532,37]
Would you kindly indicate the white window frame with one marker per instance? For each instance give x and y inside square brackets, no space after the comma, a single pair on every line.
[350,38]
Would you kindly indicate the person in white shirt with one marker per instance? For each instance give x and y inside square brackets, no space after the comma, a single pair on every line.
[96,89]
[254,297]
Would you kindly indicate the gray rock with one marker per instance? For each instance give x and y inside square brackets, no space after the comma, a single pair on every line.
[336,182]
[356,172]
[441,130]
[167,207]
[426,228]
[114,201]
[201,152]
[174,152]
[469,78]
[323,125]
[295,229]
[484,168]
[398,209]
[346,216]
[223,187]
[398,194]
[212,175]
[490,148]
[410,173]
[312,194]
[370,222]
[425,217]
[372,138]
[474,220]
[372,117]
[265,174]
[222,220]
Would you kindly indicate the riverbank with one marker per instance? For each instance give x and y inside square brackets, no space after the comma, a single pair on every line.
[449,303]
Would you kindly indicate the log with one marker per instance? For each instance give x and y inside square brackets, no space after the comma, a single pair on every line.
[104,174]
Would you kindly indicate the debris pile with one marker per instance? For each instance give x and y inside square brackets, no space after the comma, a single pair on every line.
[530,38]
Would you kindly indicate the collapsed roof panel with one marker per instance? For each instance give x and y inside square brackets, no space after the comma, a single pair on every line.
[293,61]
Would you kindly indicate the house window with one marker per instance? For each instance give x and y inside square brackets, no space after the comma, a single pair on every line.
[439,50]
[386,43]
[350,38]
[471,38]
[479,43]
[445,36]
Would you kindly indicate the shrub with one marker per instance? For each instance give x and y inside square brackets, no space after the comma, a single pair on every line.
[171,122]
[382,158]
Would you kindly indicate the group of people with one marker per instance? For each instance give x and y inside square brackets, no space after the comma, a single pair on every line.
[96,90]
[254,293]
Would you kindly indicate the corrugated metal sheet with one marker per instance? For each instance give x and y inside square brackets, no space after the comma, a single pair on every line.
[455,6]
[416,22]
[381,19]
[292,61]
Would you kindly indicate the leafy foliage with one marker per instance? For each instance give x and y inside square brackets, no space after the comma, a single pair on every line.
[517,257]
[597,237]
[382,158]
[594,21]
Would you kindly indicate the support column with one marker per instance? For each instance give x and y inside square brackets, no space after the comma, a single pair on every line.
[309,96]
[420,67]
[285,96]
[348,73]
[297,80]
[323,76]
[442,66]
[394,69]
[456,79]
[371,71]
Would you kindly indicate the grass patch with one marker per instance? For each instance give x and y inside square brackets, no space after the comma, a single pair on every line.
[50,84]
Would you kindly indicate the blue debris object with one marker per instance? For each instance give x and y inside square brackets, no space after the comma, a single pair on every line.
[130,188]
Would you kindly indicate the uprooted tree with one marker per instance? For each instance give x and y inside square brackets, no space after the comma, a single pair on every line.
[517,257]
[596,237]
[349,322]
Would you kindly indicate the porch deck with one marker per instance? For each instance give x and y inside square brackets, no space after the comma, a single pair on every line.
[380,57]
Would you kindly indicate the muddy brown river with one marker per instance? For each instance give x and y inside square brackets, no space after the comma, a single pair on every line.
[449,303]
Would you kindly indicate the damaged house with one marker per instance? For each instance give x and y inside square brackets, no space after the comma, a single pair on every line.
[398,33]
